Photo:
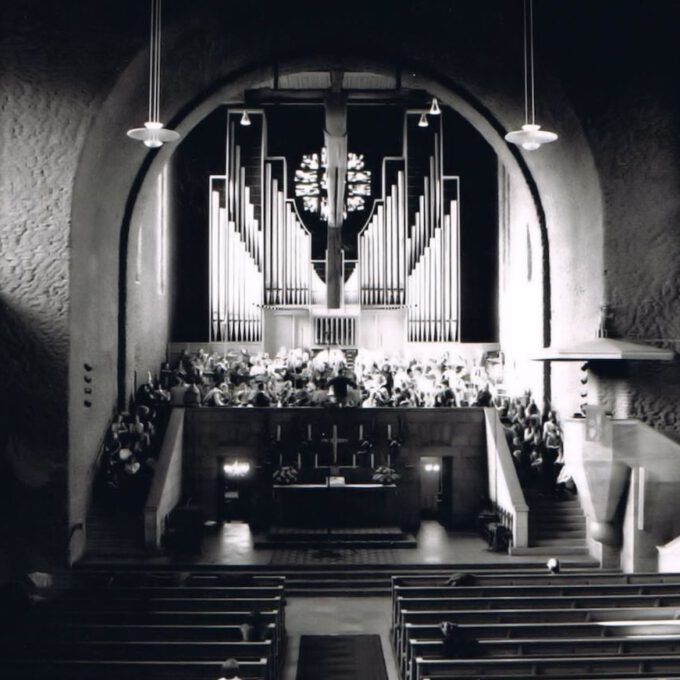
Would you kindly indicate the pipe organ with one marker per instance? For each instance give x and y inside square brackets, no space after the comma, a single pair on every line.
[235,278]
[335,330]
[382,256]
[261,251]
[236,244]
[432,247]
[288,244]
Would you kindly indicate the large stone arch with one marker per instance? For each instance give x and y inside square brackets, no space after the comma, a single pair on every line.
[207,63]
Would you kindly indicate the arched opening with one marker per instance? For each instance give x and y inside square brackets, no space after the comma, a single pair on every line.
[120,337]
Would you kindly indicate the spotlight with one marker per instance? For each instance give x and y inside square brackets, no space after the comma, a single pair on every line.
[434,107]
[245,119]
[423,120]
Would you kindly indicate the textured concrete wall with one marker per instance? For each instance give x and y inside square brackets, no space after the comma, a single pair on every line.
[49,91]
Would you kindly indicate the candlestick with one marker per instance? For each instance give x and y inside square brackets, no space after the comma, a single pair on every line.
[389,431]
[361,432]
[309,433]
[299,461]
[278,433]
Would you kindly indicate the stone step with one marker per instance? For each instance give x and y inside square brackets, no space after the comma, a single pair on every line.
[553,551]
[570,541]
[551,520]
[544,535]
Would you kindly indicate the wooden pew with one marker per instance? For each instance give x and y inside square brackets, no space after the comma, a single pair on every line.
[160,604]
[577,667]
[529,647]
[539,577]
[75,632]
[514,616]
[133,578]
[116,669]
[153,617]
[151,592]
[564,589]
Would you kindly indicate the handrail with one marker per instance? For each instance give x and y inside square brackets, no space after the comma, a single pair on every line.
[505,490]
[166,485]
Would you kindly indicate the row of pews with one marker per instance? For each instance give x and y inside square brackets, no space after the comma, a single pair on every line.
[139,625]
[581,624]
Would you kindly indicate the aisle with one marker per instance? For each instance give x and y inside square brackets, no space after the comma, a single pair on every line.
[328,615]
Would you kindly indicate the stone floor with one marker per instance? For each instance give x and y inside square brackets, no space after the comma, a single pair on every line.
[232,544]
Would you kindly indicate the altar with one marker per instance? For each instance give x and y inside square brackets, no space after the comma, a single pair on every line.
[321,506]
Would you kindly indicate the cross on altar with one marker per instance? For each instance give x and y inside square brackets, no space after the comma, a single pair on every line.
[335,440]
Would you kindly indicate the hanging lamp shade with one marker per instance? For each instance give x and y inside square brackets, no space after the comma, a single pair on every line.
[530,137]
[434,107]
[245,119]
[154,134]
[423,120]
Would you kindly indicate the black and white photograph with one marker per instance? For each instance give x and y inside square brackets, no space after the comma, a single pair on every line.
[339,339]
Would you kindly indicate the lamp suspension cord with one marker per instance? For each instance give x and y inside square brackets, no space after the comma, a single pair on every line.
[526,66]
[155,61]
[158,60]
[531,59]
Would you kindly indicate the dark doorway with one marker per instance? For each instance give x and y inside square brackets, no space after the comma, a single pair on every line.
[234,489]
[436,482]
[430,486]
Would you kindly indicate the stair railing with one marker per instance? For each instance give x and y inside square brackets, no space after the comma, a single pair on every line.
[505,491]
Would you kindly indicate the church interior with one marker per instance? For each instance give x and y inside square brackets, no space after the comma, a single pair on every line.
[339,339]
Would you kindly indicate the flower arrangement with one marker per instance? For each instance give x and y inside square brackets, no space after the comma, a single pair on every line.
[285,475]
[385,475]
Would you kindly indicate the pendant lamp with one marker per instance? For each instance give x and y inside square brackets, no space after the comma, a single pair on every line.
[423,120]
[153,134]
[530,137]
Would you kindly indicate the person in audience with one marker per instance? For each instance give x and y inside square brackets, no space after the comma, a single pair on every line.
[192,396]
[458,644]
[229,670]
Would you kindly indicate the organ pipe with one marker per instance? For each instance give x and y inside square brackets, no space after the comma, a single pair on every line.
[288,245]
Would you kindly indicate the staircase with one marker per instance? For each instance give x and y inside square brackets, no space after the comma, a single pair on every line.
[557,526]
[114,533]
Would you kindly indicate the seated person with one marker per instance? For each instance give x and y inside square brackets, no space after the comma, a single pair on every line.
[177,392]
[192,395]
[261,399]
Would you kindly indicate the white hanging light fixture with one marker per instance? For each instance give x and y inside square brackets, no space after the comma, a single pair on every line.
[245,119]
[153,134]
[530,137]
[423,120]
[434,107]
